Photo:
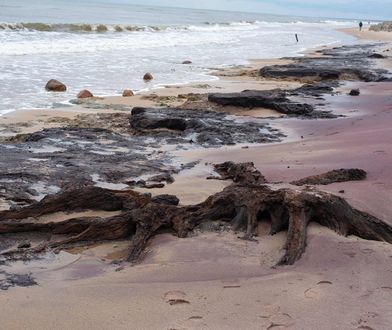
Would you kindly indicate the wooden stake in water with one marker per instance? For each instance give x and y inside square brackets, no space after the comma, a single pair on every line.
[296,37]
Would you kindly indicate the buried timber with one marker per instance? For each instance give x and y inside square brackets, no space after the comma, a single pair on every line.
[139,217]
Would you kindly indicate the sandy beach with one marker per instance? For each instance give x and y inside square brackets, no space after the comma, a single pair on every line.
[213,279]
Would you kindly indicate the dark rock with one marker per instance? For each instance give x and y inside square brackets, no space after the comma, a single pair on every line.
[354,92]
[162,177]
[273,99]
[341,175]
[84,94]
[141,120]
[166,199]
[315,89]
[298,71]
[339,63]
[187,62]
[176,125]
[153,185]
[55,86]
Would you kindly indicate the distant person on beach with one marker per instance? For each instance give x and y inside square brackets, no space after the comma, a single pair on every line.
[360,26]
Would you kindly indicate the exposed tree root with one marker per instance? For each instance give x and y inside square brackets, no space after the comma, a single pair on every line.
[241,205]
[341,175]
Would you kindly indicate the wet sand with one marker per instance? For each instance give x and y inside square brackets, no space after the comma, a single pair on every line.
[225,282]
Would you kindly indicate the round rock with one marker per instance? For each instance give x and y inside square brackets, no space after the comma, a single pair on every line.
[127,93]
[84,94]
[148,77]
[54,85]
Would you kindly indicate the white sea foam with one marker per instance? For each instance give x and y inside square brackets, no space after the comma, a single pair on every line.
[109,62]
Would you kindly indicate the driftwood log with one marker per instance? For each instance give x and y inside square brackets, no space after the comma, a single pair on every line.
[242,205]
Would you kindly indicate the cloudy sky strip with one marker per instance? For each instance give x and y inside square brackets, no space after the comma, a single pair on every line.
[362,9]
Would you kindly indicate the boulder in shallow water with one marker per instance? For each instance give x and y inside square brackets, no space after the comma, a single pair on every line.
[148,76]
[187,62]
[84,94]
[127,93]
[54,85]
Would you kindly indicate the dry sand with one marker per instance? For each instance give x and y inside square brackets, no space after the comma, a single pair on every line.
[366,34]
[220,281]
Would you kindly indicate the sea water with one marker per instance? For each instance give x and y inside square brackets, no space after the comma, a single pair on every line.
[107,47]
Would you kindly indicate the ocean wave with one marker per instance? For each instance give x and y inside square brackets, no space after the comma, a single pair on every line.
[103,28]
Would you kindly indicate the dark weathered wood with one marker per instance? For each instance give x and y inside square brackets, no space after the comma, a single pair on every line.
[241,205]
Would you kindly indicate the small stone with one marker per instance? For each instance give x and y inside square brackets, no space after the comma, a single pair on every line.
[84,94]
[187,62]
[148,77]
[127,93]
[354,92]
[341,191]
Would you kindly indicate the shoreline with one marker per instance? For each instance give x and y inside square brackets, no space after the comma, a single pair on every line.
[209,72]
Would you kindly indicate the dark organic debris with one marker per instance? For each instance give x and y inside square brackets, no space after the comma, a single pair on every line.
[299,102]
[245,173]
[273,99]
[207,128]
[339,63]
[341,175]
[12,280]
[36,164]
[24,245]
[166,199]
[376,55]
[240,205]
[354,92]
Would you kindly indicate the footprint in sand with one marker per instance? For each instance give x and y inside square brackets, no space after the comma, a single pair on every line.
[314,293]
[269,311]
[175,298]
[275,317]
[311,293]
[194,322]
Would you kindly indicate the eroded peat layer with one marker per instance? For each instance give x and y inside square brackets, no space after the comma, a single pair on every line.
[92,164]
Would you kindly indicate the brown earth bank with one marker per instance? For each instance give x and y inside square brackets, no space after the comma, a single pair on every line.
[63,258]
